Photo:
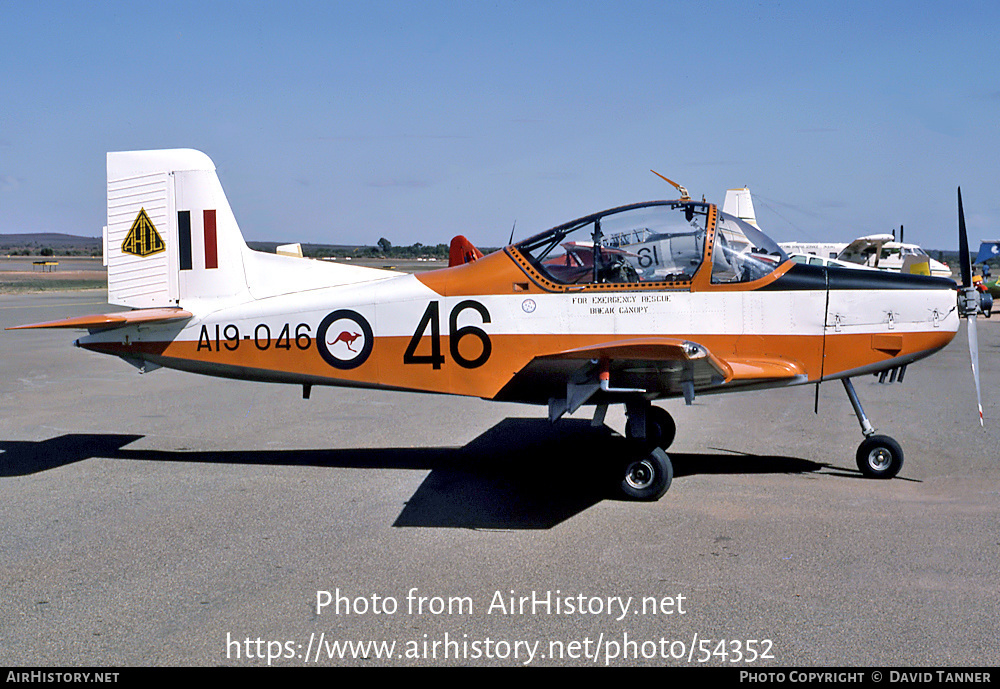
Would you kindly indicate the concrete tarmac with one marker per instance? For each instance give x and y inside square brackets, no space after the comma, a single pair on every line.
[172,519]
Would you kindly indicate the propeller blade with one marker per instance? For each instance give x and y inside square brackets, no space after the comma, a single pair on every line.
[963,245]
[968,302]
[974,356]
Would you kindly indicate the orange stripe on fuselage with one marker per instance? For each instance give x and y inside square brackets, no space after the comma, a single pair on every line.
[848,352]
[510,354]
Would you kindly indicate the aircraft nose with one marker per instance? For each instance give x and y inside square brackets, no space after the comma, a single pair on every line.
[875,317]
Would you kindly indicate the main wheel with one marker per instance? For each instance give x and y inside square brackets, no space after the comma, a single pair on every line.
[660,428]
[649,477]
[880,457]
[660,425]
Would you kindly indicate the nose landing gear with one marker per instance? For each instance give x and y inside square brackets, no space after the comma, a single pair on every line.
[878,456]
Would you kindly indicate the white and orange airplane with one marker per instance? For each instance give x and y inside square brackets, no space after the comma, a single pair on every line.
[708,304]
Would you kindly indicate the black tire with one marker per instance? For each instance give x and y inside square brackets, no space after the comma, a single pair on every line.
[660,428]
[880,457]
[647,478]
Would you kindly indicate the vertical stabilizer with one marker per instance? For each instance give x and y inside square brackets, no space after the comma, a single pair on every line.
[739,203]
[171,234]
[462,251]
[987,251]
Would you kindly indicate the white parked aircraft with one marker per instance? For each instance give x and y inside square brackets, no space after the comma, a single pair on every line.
[880,251]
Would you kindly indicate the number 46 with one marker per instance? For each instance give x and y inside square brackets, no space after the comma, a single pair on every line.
[432,319]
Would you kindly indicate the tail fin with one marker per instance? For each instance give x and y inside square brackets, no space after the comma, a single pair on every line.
[916,265]
[462,251]
[739,203]
[172,239]
[171,233]
[988,250]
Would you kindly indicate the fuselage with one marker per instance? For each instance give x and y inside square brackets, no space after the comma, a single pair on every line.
[476,329]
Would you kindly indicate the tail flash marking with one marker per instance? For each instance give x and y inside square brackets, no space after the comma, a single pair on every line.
[211,243]
[184,238]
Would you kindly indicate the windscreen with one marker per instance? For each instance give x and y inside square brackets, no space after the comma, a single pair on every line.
[742,253]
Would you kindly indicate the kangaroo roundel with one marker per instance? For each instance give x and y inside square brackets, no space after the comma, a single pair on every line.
[345,339]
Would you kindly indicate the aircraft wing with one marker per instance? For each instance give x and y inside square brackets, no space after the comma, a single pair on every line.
[109,321]
[659,366]
[872,243]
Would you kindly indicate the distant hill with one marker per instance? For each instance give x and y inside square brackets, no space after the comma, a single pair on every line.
[53,239]
[41,243]
[49,244]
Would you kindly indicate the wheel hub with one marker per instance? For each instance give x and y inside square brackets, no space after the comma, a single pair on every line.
[640,474]
[879,458]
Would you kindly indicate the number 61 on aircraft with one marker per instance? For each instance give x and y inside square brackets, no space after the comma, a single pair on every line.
[627,306]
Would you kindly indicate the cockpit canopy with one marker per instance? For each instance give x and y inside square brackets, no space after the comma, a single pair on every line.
[654,242]
[742,253]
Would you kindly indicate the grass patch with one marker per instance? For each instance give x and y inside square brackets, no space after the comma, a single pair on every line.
[21,283]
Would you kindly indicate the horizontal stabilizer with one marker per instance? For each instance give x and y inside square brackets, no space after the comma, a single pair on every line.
[109,321]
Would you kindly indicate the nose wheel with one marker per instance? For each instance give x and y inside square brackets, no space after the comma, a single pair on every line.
[879,456]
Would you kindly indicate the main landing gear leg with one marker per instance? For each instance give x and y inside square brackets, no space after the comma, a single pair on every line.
[650,425]
[651,430]
[878,456]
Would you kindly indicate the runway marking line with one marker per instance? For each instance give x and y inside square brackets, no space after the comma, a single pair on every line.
[51,306]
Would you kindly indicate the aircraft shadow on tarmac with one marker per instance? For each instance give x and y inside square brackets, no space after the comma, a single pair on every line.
[520,474]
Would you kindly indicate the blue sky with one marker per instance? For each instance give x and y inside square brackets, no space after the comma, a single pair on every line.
[345,122]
